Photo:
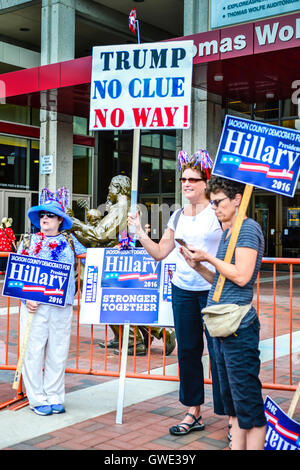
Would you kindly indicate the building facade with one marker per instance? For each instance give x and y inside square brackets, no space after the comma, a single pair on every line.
[45,59]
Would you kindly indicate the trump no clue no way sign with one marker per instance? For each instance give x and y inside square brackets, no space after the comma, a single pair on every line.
[259,154]
[141,86]
[40,280]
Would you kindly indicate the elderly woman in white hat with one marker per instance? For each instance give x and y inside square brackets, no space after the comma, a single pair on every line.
[7,241]
[49,338]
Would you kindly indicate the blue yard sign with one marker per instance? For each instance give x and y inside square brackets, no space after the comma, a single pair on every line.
[130,287]
[283,433]
[259,154]
[130,269]
[126,286]
[41,280]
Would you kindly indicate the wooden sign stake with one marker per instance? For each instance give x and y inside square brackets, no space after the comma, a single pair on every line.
[120,404]
[18,372]
[135,174]
[294,402]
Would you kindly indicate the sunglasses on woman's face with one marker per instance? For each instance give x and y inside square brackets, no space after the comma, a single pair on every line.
[216,202]
[190,180]
[48,214]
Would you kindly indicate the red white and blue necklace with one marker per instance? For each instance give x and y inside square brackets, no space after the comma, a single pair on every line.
[55,247]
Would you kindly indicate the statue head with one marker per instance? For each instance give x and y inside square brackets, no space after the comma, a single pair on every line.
[120,184]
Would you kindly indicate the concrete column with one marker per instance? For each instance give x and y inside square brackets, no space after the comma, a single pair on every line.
[205,129]
[58,31]
[57,44]
[57,139]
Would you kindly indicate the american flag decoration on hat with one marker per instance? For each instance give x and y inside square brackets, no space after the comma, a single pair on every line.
[61,196]
[132,20]
[201,158]
[183,157]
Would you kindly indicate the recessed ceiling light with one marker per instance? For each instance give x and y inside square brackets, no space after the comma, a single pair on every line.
[24,29]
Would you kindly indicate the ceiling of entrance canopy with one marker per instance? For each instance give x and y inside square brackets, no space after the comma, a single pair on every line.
[253,78]
[250,79]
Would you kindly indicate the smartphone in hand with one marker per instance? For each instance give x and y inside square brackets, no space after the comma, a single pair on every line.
[181,242]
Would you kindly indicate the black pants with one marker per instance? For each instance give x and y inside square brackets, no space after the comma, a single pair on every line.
[187,306]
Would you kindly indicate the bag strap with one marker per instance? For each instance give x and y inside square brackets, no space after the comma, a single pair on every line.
[70,240]
[26,241]
[6,234]
[176,218]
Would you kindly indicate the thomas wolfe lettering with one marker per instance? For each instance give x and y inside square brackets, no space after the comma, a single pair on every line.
[152,459]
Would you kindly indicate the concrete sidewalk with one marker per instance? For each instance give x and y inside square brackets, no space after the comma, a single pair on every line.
[150,408]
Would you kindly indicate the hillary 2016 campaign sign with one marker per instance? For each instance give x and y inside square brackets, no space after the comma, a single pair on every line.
[283,433]
[141,86]
[36,279]
[259,154]
[126,286]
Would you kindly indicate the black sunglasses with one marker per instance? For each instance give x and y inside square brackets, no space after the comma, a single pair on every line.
[216,202]
[48,214]
[190,180]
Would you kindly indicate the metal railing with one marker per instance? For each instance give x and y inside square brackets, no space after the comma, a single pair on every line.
[277,307]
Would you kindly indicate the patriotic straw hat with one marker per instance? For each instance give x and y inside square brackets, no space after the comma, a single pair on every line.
[54,203]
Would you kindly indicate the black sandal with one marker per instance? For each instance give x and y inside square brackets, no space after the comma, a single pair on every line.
[229,435]
[180,430]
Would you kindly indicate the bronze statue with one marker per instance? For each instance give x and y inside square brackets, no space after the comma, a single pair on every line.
[104,231]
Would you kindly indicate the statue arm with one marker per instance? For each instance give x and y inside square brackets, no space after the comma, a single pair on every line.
[106,231]
[111,225]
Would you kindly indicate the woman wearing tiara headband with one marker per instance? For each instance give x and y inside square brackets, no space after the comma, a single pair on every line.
[49,338]
[195,224]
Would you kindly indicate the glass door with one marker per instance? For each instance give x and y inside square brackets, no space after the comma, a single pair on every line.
[279,218]
[16,206]
[268,213]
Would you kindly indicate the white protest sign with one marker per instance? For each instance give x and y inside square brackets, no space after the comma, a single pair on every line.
[126,286]
[141,86]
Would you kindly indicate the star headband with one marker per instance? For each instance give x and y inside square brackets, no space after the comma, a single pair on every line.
[201,158]
[61,196]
